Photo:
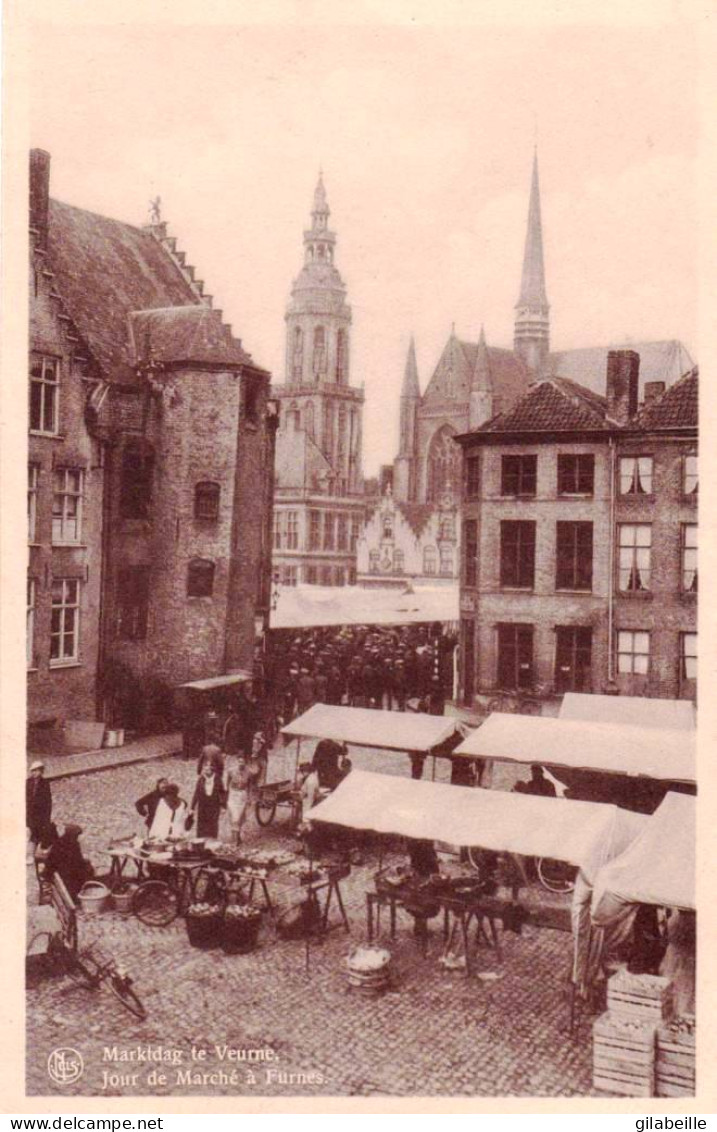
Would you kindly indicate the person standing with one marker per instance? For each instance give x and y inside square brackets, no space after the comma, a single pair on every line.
[146,806]
[38,807]
[65,858]
[236,783]
[170,818]
[207,800]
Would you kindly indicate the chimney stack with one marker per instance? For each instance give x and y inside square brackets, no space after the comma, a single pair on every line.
[39,194]
[653,390]
[623,373]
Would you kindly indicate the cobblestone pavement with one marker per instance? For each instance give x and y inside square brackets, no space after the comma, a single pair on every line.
[435,1032]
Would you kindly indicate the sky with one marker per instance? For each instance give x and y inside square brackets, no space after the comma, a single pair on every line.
[425,136]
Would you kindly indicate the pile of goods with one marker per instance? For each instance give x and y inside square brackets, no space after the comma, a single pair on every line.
[675,1065]
[624,1039]
[240,928]
[311,872]
[369,969]
[204,924]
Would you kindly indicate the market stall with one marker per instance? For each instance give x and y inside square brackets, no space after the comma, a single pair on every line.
[635,711]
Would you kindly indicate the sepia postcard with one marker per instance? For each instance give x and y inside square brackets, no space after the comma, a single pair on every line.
[351,377]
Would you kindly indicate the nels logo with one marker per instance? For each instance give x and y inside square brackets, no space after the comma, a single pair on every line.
[65,1065]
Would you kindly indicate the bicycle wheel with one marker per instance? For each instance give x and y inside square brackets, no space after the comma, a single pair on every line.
[555,876]
[121,987]
[156,903]
[265,811]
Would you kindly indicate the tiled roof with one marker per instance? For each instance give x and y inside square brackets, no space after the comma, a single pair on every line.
[416,515]
[659,361]
[188,334]
[554,405]
[677,407]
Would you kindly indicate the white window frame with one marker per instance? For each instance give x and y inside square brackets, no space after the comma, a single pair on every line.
[690,475]
[636,475]
[278,529]
[430,561]
[30,622]
[445,561]
[688,558]
[61,522]
[686,657]
[47,366]
[292,530]
[33,480]
[69,611]
[626,646]
[631,560]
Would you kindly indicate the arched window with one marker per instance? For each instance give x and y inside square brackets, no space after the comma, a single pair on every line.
[136,480]
[442,466]
[429,560]
[206,500]
[297,362]
[342,430]
[387,524]
[341,356]
[200,578]
[309,417]
[328,437]
[319,366]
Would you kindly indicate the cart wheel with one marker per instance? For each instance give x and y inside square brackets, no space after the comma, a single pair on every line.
[156,903]
[121,987]
[555,876]
[265,811]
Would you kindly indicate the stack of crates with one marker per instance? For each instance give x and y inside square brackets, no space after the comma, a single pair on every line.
[624,1037]
[675,1066]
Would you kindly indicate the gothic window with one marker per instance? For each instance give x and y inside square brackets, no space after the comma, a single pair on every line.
[443,460]
[341,356]
[297,363]
[319,366]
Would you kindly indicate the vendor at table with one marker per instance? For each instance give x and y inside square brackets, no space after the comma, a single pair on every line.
[170,818]
[146,806]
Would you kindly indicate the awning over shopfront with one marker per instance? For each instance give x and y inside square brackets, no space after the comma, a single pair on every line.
[666,755]
[634,711]
[585,834]
[658,867]
[364,727]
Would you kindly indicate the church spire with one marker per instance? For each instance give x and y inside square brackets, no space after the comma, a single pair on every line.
[410,387]
[532,323]
[481,371]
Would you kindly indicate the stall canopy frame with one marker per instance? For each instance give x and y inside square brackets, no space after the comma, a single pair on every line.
[633,711]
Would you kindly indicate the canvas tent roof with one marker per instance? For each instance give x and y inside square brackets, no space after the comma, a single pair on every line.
[586,834]
[636,711]
[212,682]
[306,606]
[659,866]
[667,755]
[364,727]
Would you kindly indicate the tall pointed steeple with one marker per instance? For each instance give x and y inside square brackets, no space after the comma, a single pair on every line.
[480,401]
[404,469]
[481,378]
[532,311]
[410,387]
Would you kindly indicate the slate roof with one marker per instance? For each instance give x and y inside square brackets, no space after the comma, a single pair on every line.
[677,407]
[659,361]
[186,334]
[554,405]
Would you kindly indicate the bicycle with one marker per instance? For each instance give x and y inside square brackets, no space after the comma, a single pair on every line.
[554,876]
[90,968]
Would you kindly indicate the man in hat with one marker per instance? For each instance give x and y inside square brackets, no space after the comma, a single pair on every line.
[65,858]
[38,807]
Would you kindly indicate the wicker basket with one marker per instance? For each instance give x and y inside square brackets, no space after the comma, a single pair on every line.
[240,934]
[205,931]
[373,979]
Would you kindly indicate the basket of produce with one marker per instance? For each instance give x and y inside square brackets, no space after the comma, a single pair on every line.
[204,925]
[93,897]
[240,929]
[369,968]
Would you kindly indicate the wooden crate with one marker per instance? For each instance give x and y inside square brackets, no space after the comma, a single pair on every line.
[624,1056]
[675,1062]
[645,997]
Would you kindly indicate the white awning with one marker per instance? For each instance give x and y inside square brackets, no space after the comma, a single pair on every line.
[634,711]
[659,866]
[308,606]
[212,682]
[363,727]
[581,745]
[585,834]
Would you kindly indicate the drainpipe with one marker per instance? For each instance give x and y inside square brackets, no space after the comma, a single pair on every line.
[611,568]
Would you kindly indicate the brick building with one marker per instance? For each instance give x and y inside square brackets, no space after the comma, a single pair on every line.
[318,501]
[408,541]
[579,543]
[151,457]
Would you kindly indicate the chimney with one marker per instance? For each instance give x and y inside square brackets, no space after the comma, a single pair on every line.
[623,372]
[39,194]
[653,390]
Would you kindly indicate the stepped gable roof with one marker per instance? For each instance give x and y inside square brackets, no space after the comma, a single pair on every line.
[677,407]
[184,334]
[105,269]
[416,515]
[553,405]
[659,361]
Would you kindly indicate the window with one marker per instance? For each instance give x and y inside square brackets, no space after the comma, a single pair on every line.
[252,398]
[311,575]
[339,579]
[314,530]
[352,576]
[518,475]
[326,576]
[471,469]
[576,474]
[398,561]
[445,563]
[515,656]
[635,548]
[65,620]
[33,475]
[341,448]
[574,556]
[133,603]
[294,417]
[688,656]
[292,530]
[446,529]
[573,658]
[342,533]
[429,560]
[355,528]
[633,652]
[278,524]
[328,430]
[443,466]
[329,530]
[200,578]
[206,500]
[470,553]
[30,623]
[67,505]
[689,558]
[297,363]
[341,356]
[690,478]
[44,394]
[635,475]
[319,362]
[136,483]
[289,575]
[387,525]
[517,555]
[373,561]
